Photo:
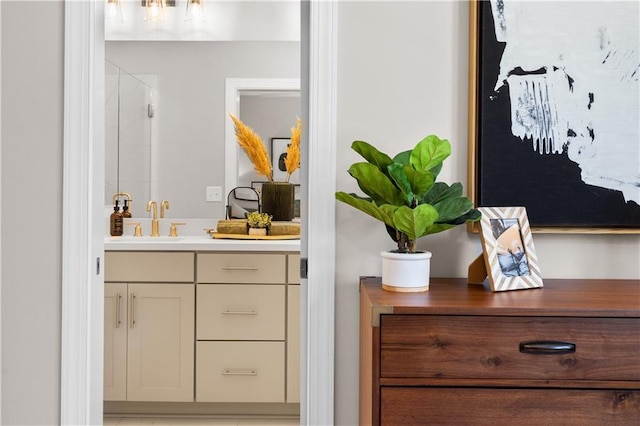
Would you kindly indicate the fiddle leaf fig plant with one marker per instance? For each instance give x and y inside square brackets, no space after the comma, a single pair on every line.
[402,191]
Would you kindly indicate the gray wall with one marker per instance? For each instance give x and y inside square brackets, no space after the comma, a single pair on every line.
[191,108]
[32,129]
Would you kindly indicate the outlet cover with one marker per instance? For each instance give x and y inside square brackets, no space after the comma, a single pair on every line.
[214,194]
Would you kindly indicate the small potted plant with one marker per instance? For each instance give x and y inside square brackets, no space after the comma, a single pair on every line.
[258,223]
[402,192]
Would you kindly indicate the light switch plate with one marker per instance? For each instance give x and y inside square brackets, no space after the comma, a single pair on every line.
[214,194]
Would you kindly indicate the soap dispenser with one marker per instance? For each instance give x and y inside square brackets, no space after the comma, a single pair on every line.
[117,223]
[125,210]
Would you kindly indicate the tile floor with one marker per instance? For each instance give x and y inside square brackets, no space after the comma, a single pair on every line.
[199,421]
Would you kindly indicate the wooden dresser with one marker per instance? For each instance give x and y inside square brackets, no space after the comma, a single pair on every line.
[564,354]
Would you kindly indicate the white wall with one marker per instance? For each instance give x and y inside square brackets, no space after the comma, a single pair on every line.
[402,74]
[191,108]
[32,129]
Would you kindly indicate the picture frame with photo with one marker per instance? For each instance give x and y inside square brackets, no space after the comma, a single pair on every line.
[278,155]
[508,250]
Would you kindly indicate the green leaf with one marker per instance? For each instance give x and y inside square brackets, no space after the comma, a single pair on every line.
[472,215]
[413,222]
[436,227]
[376,184]
[442,191]
[397,173]
[366,206]
[430,152]
[403,157]
[421,181]
[372,155]
[452,208]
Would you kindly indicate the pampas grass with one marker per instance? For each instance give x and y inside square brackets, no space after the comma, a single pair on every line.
[292,162]
[252,145]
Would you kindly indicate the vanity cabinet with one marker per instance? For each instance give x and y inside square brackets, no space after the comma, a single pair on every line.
[241,327]
[149,327]
[214,329]
[567,353]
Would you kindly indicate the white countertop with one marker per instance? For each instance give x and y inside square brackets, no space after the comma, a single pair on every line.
[196,243]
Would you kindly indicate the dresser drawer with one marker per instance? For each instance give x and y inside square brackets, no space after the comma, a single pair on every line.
[240,372]
[148,266]
[242,268]
[488,347]
[492,407]
[240,312]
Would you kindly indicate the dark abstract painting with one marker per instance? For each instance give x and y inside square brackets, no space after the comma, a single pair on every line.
[557,110]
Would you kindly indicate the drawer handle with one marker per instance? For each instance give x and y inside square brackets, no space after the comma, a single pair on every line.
[239,373]
[240,313]
[547,347]
[240,268]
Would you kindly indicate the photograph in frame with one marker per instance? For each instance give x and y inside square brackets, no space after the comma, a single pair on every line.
[553,108]
[278,156]
[507,246]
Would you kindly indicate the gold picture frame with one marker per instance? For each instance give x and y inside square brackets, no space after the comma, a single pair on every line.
[508,251]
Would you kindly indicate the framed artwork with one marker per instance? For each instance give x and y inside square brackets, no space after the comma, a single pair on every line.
[507,247]
[554,117]
[278,155]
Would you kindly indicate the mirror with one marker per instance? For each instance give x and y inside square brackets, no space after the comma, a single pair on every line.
[189,148]
[270,107]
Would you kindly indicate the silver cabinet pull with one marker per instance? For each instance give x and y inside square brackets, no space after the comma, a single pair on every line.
[133,310]
[240,313]
[118,307]
[229,372]
[240,268]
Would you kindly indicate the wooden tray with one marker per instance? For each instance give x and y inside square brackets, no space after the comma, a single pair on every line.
[218,235]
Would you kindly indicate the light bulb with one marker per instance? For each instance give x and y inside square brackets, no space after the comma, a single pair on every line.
[195,10]
[114,11]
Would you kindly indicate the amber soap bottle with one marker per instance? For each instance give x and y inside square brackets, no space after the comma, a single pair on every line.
[125,210]
[117,225]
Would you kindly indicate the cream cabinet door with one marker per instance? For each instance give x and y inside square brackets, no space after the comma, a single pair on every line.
[115,342]
[160,342]
[293,343]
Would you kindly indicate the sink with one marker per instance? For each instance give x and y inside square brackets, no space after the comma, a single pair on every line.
[146,239]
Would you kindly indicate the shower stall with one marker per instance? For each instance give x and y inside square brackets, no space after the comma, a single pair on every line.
[130,134]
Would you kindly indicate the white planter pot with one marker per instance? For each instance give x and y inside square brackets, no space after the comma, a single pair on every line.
[406,272]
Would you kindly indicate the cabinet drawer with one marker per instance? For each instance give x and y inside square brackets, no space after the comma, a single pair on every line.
[488,347]
[240,372]
[148,266]
[239,268]
[442,406]
[293,269]
[240,312]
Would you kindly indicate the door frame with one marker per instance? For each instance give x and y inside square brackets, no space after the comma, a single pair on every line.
[83,213]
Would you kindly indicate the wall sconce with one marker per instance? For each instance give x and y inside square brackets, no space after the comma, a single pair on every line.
[114,11]
[195,10]
[154,9]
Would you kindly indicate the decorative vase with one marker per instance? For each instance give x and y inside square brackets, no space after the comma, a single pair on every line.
[406,272]
[278,200]
[258,231]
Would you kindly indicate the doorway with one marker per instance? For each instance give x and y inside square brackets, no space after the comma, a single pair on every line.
[83,202]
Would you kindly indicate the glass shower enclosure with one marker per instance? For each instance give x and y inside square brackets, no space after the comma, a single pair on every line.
[130,151]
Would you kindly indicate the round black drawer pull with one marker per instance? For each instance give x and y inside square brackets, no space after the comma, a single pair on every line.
[547,347]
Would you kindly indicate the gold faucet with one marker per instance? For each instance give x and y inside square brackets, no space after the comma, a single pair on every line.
[154,222]
[122,194]
[163,205]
